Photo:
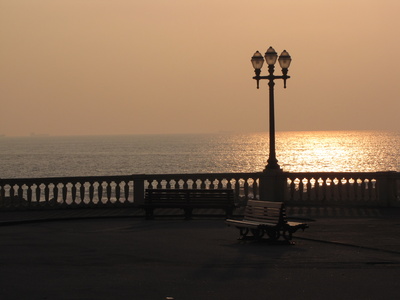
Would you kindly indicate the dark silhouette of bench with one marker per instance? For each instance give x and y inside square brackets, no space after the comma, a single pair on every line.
[265,217]
[188,199]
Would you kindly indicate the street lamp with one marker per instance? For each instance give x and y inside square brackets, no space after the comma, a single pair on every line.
[284,61]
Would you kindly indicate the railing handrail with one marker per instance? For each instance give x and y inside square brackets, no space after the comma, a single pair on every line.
[245,174]
[99,177]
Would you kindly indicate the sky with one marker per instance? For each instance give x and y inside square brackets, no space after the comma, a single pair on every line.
[101,67]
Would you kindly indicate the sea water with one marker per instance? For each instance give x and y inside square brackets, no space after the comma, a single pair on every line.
[320,151]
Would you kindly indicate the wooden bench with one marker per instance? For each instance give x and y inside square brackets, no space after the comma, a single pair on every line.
[188,199]
[265,217]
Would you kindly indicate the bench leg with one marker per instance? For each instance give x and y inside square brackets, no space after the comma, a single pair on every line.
[229,212]
[149,213]
[243,233]
[287,235]
[256,234]
[188,213]
[273,234]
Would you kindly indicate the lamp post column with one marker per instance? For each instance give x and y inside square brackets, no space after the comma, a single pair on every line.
[272,161]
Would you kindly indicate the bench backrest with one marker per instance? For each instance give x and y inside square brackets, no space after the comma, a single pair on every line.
[192,196]
[265,211]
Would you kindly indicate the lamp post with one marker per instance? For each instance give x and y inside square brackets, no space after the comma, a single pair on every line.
[284,61]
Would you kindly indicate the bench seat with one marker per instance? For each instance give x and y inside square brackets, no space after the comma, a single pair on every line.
[248,224]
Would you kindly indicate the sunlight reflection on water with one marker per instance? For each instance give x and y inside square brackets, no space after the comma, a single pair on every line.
[346,151]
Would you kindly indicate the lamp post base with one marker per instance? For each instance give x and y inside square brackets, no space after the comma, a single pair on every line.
[272,170]
[278,169]
[272,185]
[272,165]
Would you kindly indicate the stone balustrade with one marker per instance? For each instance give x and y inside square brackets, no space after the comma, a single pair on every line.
[320,188]
[331,188]
[62,192]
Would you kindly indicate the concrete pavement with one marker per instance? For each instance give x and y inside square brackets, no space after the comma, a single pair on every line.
[347,253]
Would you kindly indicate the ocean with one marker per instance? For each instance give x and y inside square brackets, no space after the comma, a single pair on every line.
[319,151]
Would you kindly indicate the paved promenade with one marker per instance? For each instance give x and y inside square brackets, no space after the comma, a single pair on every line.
[347,253]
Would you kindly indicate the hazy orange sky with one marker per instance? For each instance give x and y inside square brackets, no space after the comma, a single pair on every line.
[79,67]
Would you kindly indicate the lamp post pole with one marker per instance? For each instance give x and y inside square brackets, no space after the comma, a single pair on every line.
[272,161]
[284,60]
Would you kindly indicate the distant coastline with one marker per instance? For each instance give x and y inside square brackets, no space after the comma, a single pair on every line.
[278,132]
[32,134]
